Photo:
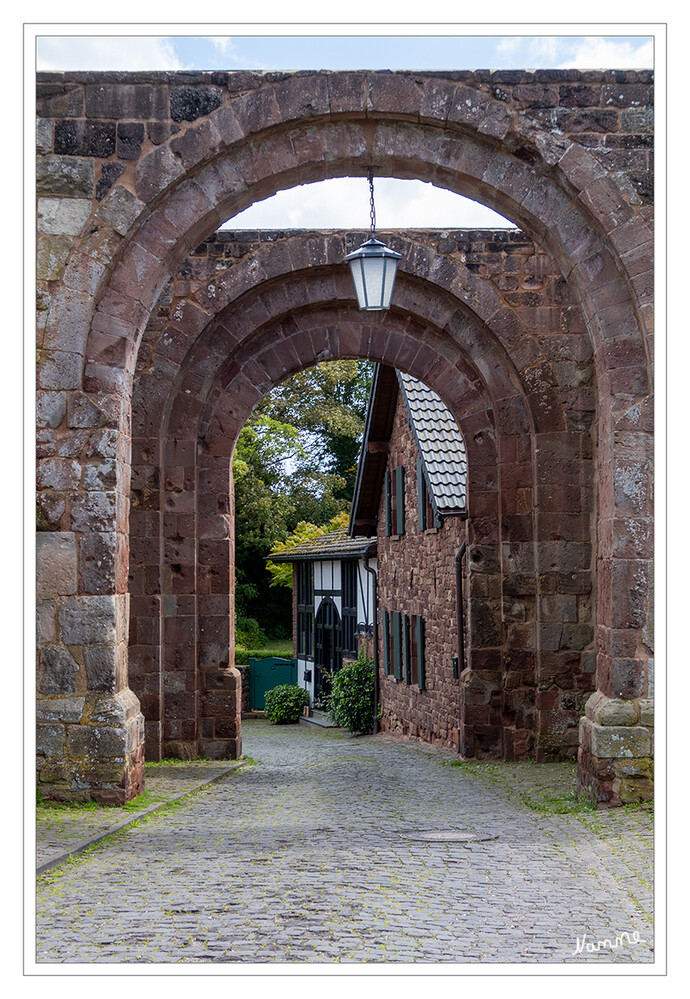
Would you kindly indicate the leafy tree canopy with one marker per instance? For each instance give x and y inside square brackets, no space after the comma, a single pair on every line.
[295,461]
[281,572]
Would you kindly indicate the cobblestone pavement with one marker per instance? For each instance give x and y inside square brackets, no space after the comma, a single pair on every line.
[314,854]
[62,829]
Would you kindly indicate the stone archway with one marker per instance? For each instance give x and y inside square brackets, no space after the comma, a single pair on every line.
[245,147]
[302,314]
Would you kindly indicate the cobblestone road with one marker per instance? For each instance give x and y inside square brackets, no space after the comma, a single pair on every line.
[311,856]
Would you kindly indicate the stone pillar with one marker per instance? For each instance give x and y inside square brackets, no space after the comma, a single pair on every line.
[90,732]
[616,734]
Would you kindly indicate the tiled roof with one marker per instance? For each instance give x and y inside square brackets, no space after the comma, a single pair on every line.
[335,545]
[439,442]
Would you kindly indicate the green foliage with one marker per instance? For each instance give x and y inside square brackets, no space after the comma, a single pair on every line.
[242,656]
[559,804]
[281,572]
[284,704]
[295,461]
[352,696]
[248,633]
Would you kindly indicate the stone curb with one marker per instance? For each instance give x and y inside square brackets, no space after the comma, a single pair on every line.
[134,817]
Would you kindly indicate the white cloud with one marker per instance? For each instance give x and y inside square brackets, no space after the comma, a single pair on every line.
[563,52]
[102,52]
[604,53]
[343,203]
[223,44]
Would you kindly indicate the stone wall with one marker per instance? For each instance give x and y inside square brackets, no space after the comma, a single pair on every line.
[133,172]
[416,572]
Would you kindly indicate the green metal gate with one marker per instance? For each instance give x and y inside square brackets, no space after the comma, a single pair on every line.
[265,674]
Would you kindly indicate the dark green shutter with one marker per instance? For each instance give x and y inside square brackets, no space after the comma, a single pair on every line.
[406,649]
[421,496]
[386,642]
[400,500]
[397,645]
[388,503]
[421,672]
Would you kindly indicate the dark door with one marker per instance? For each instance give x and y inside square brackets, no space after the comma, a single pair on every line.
[328,648]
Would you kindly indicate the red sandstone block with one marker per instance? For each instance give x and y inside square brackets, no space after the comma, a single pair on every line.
[155,172]
[602,198]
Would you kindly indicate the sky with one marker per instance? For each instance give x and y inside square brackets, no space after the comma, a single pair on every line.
[344,203]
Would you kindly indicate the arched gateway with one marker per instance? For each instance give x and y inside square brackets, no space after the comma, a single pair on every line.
[144,383]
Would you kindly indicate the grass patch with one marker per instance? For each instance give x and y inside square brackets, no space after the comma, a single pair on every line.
[144,800]
[558,804]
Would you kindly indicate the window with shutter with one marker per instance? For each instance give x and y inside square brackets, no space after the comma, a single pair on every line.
[388,504]
[396,619]
[385,638]
[407,652]
[420,636]
[421,496]
[400,500]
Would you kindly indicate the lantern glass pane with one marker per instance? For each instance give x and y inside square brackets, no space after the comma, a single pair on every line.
[358,277]
[391,268]
[374,268]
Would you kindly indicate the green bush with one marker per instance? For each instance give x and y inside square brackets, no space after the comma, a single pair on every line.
[248,633]
[284,704]
[352,696]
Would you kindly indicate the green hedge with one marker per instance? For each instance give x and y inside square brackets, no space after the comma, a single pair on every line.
[351,702]
[284,704]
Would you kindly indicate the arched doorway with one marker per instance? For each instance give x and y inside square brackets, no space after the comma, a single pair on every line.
[328,655]
[96,307]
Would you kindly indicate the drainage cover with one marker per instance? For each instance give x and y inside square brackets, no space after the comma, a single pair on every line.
[447,836]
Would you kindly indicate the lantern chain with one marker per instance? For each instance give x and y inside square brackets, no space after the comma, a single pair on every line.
[372,209]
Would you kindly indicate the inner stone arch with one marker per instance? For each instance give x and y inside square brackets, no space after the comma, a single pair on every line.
[202,411]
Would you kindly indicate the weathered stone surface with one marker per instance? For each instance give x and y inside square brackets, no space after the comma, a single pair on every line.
[50,408]
[44,135]
[63,215]
[50,740]
[98,741]
[60,709]
[101,663]
[110,172]
[56,563]
[646,707]
[609,711]
[84,138]
[52,253]
[57,672]
[190,103]
[46,620]
[614,742]
[88,620]
[68,176]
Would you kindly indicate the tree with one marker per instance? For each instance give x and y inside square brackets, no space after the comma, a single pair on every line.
[295,461]
[281,572]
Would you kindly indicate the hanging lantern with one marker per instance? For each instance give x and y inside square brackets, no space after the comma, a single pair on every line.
[373,266]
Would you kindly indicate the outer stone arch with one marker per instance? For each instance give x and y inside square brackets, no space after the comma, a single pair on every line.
[453,134]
